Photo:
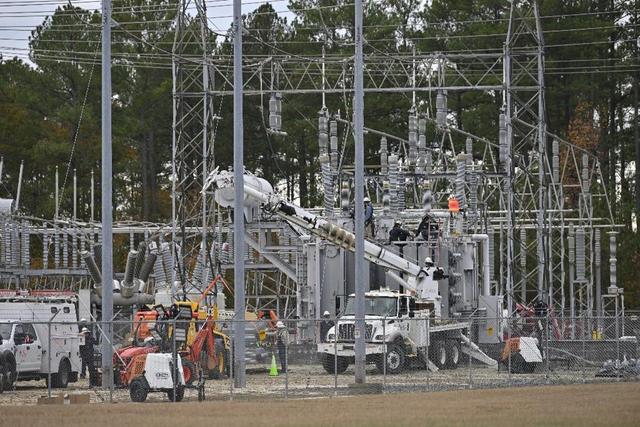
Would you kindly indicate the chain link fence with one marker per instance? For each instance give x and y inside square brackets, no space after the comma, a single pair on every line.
[192,359]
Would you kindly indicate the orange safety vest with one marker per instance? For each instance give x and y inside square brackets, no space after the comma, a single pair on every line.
[454,205]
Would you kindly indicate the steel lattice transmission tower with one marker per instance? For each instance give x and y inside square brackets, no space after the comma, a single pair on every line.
[193,145]
[551,236]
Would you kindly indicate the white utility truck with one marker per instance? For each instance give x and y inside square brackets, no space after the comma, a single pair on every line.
[397,325]
[31,348]
[398,322]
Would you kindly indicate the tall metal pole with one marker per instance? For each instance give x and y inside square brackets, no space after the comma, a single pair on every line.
[541,231]
[507,186]
[358,119]
[107,243]
[93,198]
[75,195]
[17,204]
[238,209]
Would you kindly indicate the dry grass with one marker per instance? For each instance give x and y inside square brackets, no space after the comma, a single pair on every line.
[579,405]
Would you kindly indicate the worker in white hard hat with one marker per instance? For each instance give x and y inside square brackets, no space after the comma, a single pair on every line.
[282,340]
[82,323]
[325,325]
[428,262]
[86,356]
[368,216]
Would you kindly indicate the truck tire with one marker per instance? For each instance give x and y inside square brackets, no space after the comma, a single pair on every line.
[395,360]
[438,354]
[329,364]
[138,389]
[61,378]
[10,372]
[189,371]
[179,393]
[453,354]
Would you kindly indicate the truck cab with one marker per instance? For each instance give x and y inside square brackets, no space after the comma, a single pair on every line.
[22,340]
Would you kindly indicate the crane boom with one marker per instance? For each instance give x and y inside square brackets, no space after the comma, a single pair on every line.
[259,192]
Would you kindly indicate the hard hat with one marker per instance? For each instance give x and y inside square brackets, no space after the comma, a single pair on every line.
[367,200]
[326,313]
[148,339]
[83,320]
[84,330]
[428,260]
[279,324]
[397,222]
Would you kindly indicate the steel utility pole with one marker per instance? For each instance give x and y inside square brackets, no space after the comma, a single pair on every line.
[358,119]
[238,208]
[107,242]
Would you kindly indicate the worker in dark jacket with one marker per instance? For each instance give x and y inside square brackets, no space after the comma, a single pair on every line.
[86,354]
[325,325]
[428,228]
[398,234]
[369,217]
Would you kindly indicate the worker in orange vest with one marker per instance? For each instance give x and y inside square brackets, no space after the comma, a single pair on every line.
[454,205]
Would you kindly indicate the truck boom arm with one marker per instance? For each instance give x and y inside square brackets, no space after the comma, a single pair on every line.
[417,279]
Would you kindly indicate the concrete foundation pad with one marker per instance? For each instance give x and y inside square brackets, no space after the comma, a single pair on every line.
[367,388]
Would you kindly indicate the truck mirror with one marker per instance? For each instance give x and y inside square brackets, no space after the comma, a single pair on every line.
[337,304]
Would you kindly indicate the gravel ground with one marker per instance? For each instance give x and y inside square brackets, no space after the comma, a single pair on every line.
[312,381]
[583,405]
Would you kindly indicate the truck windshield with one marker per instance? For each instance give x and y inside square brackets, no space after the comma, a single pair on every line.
[5,330]
[373,306]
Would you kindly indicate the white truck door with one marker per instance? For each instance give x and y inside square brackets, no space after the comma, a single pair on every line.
[28,348]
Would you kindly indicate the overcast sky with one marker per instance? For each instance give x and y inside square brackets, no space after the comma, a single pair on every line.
[19,17]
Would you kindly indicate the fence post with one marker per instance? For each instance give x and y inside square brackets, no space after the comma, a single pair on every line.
[335,356]
[384,355]
[286,365]
[469,357]
[584,350]
[617,343]
[509,326]
[48,361]
[175,360]
[232,364]
[427,355]
[546,347]
[111,344]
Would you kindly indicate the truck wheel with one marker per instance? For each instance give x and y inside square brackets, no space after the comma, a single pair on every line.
[189,371]
[10,373]
[61,379]
[179,393]
[395,360]
[138,389]
[452,348]
[438,354]
[329,364]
